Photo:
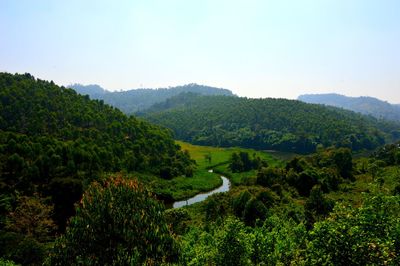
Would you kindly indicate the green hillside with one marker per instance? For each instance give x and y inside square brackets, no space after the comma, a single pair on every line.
[365,105]
[278,124]
[54,142]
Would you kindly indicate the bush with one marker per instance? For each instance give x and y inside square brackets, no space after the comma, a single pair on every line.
[239,203]
[369,235]
[253,211]
[233,244]
[269,176]
[118,223]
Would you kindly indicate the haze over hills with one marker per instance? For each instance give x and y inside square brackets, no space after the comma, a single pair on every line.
[286,125]
[132,101]
[365,105]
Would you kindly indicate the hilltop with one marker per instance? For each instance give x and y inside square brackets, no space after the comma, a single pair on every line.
[365,105]
[132,101]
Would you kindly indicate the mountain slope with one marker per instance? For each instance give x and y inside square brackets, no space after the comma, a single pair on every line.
[132,101]
[279,124]
[365,105]
[94,91]
[53,142]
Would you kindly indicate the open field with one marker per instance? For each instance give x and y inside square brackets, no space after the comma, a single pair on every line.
[220,160]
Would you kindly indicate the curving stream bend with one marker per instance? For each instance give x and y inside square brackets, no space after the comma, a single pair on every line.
[226,184]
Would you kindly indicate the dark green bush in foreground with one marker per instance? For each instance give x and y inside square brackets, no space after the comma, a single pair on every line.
[118,223]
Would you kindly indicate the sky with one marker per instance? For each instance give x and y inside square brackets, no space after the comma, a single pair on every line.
[256,48]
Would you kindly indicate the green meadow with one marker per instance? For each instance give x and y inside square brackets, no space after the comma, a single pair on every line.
[206,158]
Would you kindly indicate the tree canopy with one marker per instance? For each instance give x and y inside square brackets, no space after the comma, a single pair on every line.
[279,124]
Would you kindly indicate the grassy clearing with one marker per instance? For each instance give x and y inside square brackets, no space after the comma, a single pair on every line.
[220,160]
[182,187]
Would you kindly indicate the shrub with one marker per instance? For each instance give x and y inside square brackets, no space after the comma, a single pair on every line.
[118,223]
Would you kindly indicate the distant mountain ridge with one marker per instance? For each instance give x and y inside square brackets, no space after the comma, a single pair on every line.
[93,90]
[135,100]
[365,105]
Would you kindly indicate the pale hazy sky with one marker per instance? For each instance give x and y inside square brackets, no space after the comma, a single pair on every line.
[266,48]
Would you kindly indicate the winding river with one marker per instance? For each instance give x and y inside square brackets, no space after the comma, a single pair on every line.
[226,184]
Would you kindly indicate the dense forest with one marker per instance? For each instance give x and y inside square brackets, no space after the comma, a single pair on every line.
[132,101]
[54,143]
[278,124]
[365,105]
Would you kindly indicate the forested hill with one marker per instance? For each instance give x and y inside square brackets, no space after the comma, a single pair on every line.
[40,109]
[279,124]
[52,141]
[364,105]
[132,101]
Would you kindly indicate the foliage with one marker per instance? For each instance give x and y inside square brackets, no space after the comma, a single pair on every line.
[118,223]
[326,168]
[6,262]
[54,142]
[31,218]
[233,244]
[241,162]
[87,134]
[251,208]
[228,245]
[177,219]
[269,176]
[267,124]
[389,154]
[28,228]
[368,235]
[278,242]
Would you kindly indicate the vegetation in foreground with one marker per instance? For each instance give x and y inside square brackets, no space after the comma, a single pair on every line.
[308,211]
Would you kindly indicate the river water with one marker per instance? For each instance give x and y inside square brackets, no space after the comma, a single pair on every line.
[226,184]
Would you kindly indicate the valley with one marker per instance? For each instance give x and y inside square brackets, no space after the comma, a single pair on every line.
[193,180]
[199,133]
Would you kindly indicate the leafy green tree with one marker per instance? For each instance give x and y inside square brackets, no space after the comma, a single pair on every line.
[254,210]
[32,218]
[233,244]
[241,162]
[239,203]
[369,235]
[267,177]
[317,203]
[236,165]
[29,228]
[279,241]
[4,262]
[118,223]
[177,219]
